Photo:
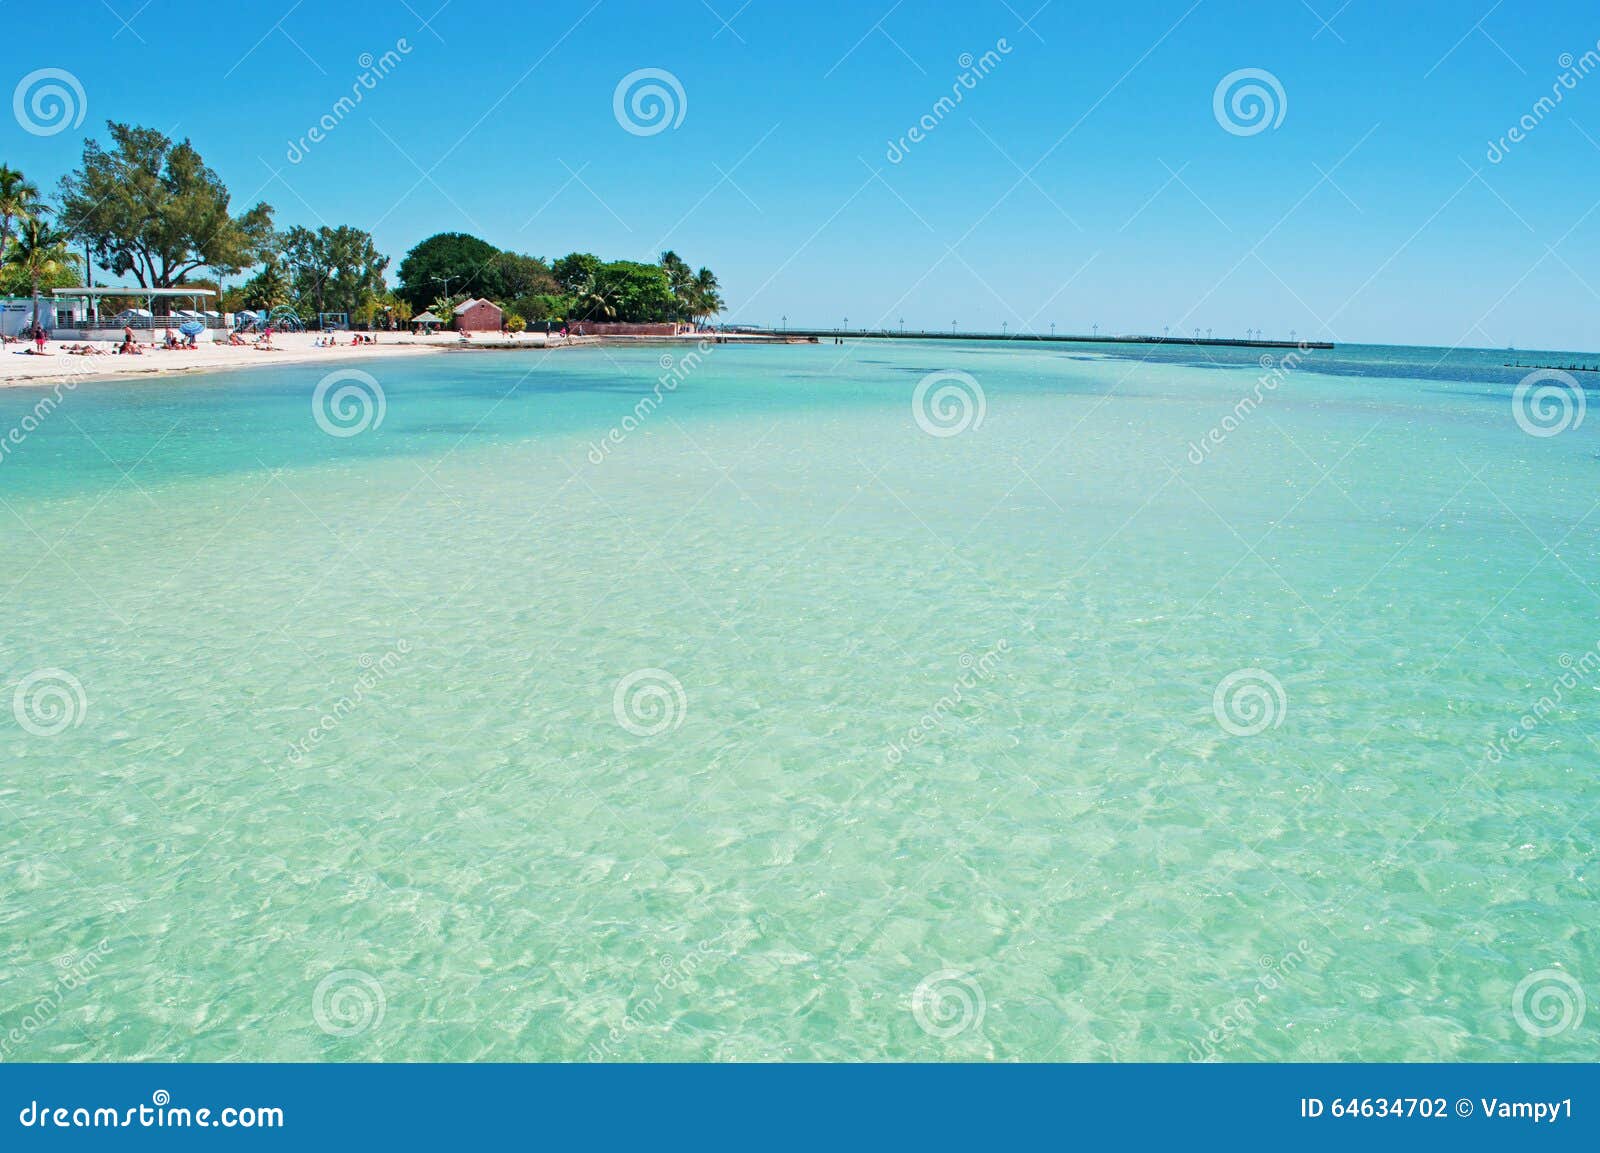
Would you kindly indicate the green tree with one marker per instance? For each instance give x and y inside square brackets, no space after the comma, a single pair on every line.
[41,257]
[638,293]
[680,279]
[510,275]
[336,268]
[444,307]
[268,289]
[705,297]
[382,310]
[457,256]
[152,208]
[19,201]
[576,272]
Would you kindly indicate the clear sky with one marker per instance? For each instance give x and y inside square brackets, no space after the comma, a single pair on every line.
[1085,178]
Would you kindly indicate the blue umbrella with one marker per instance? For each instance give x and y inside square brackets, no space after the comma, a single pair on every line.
[191,328]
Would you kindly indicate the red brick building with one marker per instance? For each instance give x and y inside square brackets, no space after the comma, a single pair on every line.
[478,316]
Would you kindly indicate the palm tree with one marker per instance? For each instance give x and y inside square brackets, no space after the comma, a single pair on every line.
[680,279]
[706,301]
[595,295]
[19,201]
[269,288]
[41,254]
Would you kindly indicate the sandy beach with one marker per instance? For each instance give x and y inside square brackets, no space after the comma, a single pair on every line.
[20,367]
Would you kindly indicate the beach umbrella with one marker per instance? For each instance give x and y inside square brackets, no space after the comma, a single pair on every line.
[191,328]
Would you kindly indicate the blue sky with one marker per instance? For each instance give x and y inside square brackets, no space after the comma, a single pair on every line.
[1084,179]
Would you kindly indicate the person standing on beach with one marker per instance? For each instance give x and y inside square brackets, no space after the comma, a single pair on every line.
[38,338]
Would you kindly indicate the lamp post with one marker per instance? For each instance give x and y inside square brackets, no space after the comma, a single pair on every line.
[446,282]
[1052,328]
[1002,328]
[1095,328]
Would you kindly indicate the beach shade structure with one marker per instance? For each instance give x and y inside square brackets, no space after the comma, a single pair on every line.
[426,320]
[192,327]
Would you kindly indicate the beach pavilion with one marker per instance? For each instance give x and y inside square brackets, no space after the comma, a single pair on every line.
[88,315]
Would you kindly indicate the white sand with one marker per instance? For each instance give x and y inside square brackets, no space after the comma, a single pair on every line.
[18,367]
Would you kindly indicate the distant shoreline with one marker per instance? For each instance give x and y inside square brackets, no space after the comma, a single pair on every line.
[23,370]
[1203,341]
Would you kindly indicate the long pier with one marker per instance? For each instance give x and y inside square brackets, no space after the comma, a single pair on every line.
[1047,338]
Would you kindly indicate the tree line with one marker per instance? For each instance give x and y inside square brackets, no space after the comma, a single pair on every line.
[145,207]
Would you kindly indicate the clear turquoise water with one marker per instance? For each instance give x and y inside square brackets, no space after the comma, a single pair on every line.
[479,848]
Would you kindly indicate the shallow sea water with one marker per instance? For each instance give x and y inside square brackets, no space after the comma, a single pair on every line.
[489,855]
